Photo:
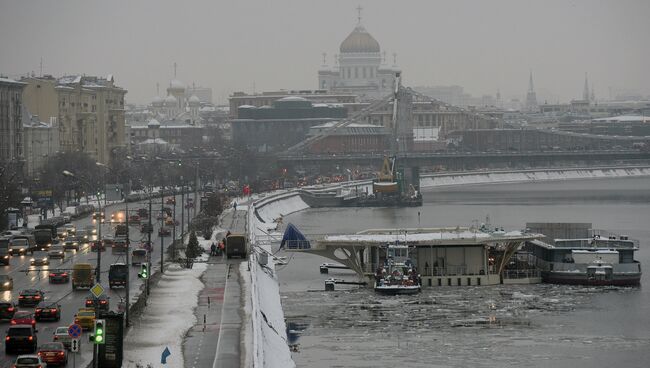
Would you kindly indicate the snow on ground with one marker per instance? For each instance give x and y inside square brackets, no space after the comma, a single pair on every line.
[271,210]
[447,179]
[175,295]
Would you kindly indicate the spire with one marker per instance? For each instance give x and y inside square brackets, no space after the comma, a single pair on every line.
[359,9]
[585,91]
[175,70]
[531,97]
[531,87]
[324,58]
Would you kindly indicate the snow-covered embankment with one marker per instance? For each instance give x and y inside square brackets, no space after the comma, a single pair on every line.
[513,176]
[268,339]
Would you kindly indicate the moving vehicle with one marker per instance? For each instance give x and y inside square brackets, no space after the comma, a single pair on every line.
[53,353]
[85,318]
[71,243]
[59,277]
[146,228]
[47,311]
[4,250]
[7,311]
[39,259]
[134,219]
[61,335]
[23,317]
[44,235]
[120,246]
[29,361]
[236,246]
[6,282]
[30,298]
[138,257]
[82,275]
[117,274]
[397,277]
[70,229]
[56,251]
[163,231]
[121,230]
[100,303]
[18,246]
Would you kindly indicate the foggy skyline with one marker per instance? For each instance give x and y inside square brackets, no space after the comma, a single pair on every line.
[270,45]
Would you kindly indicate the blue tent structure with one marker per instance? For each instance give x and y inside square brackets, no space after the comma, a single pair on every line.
[294,239]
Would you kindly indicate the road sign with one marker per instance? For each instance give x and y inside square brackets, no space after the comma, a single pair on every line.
[74,330]
[164,355]
[97,290]
[74,345]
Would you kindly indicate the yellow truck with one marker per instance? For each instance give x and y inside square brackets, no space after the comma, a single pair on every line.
[82,276]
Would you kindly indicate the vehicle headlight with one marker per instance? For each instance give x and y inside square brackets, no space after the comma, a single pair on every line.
[6,283]
[32,260]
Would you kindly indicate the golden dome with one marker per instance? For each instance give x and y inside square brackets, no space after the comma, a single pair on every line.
[359,41]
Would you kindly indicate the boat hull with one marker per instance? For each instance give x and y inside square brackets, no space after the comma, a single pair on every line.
[574,278]
[397,290]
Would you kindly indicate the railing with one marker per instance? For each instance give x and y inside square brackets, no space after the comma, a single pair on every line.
[521,274]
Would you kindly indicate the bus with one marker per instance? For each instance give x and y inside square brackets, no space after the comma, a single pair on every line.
[236,246]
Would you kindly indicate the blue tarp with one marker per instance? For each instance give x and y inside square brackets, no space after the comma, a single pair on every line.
[294,239]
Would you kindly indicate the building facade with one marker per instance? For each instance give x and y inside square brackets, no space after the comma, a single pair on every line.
[89,112]
[41,141]
[352,138]
[239,99]
[359,68]
[177,105]
[278,127]
[11,124]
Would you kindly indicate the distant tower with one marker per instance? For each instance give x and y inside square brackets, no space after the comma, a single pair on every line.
[531,97]
[585,91]
[499,98]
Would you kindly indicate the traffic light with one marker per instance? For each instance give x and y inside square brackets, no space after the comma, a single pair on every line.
[144,271]
[99,332]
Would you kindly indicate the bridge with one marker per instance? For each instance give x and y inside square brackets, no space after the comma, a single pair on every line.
[467,160]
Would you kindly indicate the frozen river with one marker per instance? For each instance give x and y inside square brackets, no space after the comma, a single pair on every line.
[537,325]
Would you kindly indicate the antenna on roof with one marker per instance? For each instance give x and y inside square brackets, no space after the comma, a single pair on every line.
[359,9]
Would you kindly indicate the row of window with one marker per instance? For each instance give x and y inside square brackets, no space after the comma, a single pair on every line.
[359,72]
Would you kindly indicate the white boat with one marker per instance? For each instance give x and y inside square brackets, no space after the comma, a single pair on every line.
[398,275]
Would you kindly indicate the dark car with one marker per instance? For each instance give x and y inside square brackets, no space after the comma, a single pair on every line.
[100,303]
[71,243]
[49,311]
[22,317]
[97,245]
[21,338]
[163,231]
[7,310]
[6,282]
[53,354]
[30,298]
[59,277]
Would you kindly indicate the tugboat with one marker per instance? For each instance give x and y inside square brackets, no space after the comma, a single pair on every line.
[398,276]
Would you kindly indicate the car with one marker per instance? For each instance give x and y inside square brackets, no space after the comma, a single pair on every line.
[70,243]
[53,353]
[163,231]
[171,222]
[47,311]
[59,277]
[23,317]
[29,361]
[134,219]
[100,303]
[39,259]
[85,318]
[7,310]
[30,298]
[56,251]
[18,247]
[6,282]
[61,335]
[70,229]
[21,338]
[170,200]
[97,245]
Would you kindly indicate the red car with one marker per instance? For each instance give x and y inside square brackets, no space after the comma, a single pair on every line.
[23,318]
[53,353]
[59,276]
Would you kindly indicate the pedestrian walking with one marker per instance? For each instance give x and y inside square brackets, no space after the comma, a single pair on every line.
[213,250]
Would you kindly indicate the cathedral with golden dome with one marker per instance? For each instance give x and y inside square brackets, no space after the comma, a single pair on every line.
[360,67]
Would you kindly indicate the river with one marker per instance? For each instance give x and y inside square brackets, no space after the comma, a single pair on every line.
[541,325]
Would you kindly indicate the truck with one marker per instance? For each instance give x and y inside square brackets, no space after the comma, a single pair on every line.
[22,244]
[44,235]
[82,276]
[117,274]
[4,250]
[236,246]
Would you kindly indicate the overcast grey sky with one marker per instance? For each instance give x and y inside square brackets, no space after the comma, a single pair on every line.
[235,45]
